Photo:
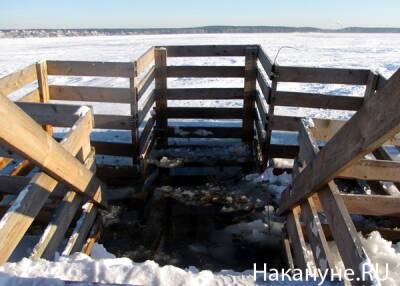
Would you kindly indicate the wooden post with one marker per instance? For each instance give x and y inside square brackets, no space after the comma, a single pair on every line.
[376,122]
[161,96]
[43,86]
[134,114]
[371,86]
[340,223]
[270,115]
[250,78]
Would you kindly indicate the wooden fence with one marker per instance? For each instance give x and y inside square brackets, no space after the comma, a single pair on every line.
[259,93]
[62,175]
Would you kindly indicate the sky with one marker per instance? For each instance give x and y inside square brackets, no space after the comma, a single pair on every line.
[333,14]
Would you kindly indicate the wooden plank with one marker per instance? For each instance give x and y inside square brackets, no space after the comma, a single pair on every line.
[81,230]
[24,136]
[143,62]
[265,61]
[205,112]
[58,226]
[90,93]
[344,232]
[375,123]
[296,238]
[60,115]
[134,118]
[285,123]
[16,80]
[371,205]
[262,110]
[110,121]
[207,50]
[270,117]
[146,132]
[32,96]
[372,85]
[340,222]
[161,96]
[311,100]
[250,86]
[146,106]
[320,248]
[264,86]
[83,68]
[12,184]
[322,75]
[205,132]
[283,151]
[288,253]
[21,214]
[112,148]
[205,93]
[381,170]
[205,71]
[43,87]
[144,83]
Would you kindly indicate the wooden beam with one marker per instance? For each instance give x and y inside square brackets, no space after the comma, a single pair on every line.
[205,132]
[207,50]
[271,116]
[110,121]
[371,85]
[112,148]
[322,75]
[134,116]
[43,87]
[90,93]
[32,96]
[340,222]
[375,170]
[311,100]
[205,93]
[82,68]
[250,82]
[16,80]
[144,83]
[206,71]
[370,205]
[320,248]
[375,123]
[146,106]
[58,226]
[264,86]
[205,112]
[22,135]
[60,115]
[81,230]
[143,62]
[146,133]
[31,199]
[265,61]
[161,96]
[296,238]
[285,123]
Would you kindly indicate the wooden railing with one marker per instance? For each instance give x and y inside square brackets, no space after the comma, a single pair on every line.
[63,170]
[259,93]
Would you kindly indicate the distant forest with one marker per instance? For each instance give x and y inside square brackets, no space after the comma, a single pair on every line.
[23,33]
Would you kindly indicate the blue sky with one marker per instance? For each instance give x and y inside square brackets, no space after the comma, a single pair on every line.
[179,13]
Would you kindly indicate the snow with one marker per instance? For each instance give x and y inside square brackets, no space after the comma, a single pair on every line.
[383,252]
[372,51]
[80,267]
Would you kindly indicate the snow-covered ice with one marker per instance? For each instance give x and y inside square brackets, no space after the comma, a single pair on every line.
[373,51]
